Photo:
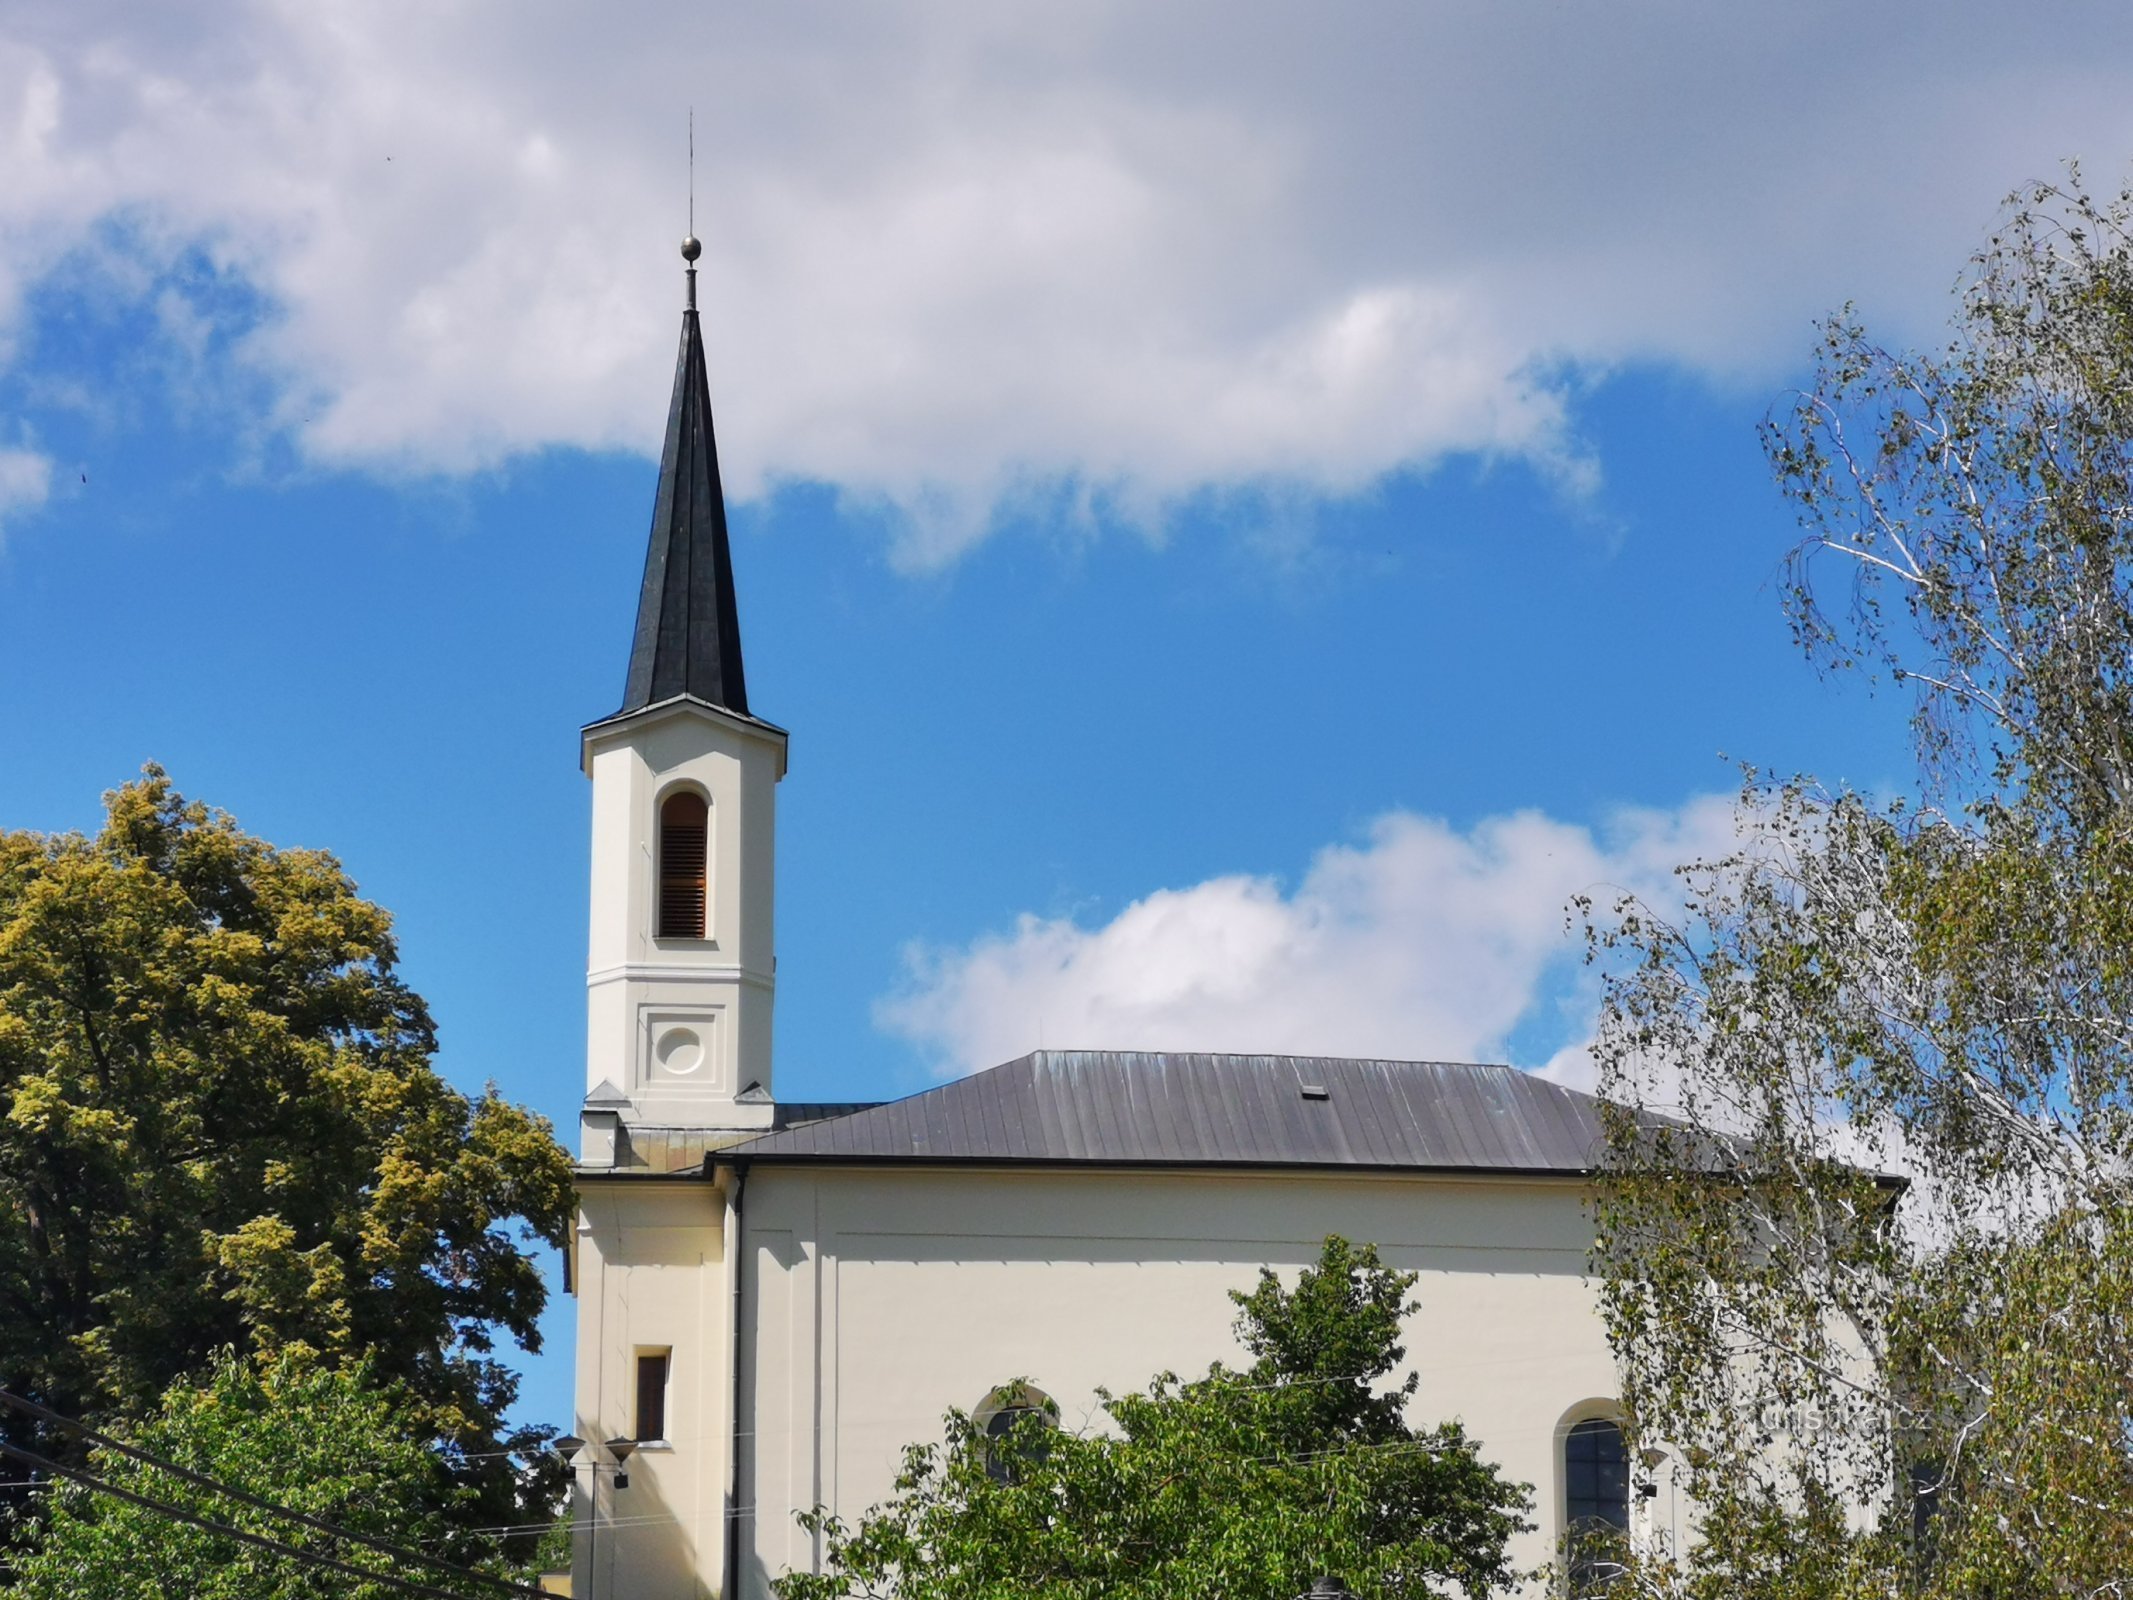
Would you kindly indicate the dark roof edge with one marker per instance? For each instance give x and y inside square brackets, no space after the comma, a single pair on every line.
[698,1173]
[740,1153]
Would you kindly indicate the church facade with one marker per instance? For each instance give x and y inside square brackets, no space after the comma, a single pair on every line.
[775,1297]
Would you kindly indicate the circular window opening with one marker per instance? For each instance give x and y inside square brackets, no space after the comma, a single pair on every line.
[680,1051]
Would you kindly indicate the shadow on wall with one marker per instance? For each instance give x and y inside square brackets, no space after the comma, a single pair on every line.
[755,1576]
[639,1545]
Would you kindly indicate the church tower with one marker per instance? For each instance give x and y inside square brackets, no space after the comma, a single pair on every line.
[680,969]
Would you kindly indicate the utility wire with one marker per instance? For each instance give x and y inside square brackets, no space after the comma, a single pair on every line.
[201,1481]
[294,1552]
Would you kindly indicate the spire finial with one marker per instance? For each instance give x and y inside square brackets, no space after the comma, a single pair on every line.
[691,248]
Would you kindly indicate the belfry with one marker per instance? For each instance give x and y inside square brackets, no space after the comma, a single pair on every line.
[681,966]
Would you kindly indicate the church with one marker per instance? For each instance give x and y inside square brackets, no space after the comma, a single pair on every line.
[774,1297]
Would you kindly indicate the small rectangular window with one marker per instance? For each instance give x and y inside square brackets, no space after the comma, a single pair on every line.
[652,1396]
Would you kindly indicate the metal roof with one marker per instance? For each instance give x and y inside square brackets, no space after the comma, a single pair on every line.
[688,639]
[1126,1108]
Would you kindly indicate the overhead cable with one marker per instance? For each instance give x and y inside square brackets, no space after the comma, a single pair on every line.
[259,1540]
[200,1480]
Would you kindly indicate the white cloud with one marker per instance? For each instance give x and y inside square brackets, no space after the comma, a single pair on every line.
[956,249]
[1419,941]
[25,482]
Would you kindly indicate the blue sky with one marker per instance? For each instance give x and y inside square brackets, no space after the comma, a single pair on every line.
[1241,522]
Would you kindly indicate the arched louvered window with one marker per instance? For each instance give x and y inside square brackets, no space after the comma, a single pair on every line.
[684,826]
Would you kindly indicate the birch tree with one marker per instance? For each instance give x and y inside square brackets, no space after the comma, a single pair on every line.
[1873,1286]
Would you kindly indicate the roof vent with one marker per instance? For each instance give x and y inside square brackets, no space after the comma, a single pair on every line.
[1314,1091]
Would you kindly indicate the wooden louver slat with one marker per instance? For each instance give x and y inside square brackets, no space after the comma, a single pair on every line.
[683,842]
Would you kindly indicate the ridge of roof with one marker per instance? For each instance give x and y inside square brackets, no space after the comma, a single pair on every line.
[1163,1108]
[688,636]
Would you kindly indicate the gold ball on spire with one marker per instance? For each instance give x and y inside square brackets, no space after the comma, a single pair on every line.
[690,248]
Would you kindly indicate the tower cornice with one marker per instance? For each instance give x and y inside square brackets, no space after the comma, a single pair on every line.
[622,723]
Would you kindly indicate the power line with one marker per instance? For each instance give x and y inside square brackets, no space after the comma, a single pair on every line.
[258,1540]
[201,1481]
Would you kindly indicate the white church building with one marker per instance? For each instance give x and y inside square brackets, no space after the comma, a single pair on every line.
[774,1297]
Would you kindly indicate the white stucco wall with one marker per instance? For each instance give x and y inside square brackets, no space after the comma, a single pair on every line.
[650,1275]
[876,1299]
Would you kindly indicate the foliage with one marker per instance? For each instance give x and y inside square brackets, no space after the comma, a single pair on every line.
[219,1127]
[1243,1485]
[1920,1387]
[323,1441]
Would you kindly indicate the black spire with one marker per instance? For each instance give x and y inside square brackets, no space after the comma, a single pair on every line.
[688,628]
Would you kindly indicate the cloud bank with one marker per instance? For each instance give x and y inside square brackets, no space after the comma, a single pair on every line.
[955,250]
[1418,941]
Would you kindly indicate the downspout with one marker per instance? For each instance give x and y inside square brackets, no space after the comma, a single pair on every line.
[730,1584]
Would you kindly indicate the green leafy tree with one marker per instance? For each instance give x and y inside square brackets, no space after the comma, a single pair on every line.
[1242,1485]
[1922,1387]
[220,1127]
[327,1442]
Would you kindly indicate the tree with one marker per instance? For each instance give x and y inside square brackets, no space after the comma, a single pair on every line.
[1242,1485]
[327,1442]
[219,1127]
[1923,1382]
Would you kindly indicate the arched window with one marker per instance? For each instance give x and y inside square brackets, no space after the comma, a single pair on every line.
[684,823]
[1596,1492]
[1001,1420]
